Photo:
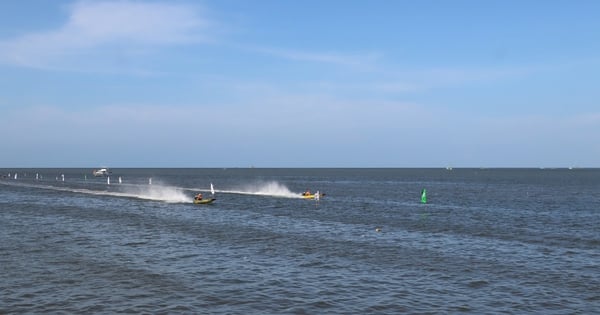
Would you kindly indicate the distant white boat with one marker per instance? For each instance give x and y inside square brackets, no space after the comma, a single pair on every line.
[101,172]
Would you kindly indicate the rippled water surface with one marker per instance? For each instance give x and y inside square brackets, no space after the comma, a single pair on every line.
[487,241]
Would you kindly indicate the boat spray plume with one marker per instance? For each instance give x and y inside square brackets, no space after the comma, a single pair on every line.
[272,188]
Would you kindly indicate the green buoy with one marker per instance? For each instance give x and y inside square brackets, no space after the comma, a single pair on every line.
[424,196]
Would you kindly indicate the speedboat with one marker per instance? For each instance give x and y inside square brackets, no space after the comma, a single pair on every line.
[307,195]
[204,201]
[101,172]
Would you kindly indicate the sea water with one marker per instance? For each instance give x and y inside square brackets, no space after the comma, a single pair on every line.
[487,241]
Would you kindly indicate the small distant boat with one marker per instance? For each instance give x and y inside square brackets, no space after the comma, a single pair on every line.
[201,201]
[101,172]
[204,201]
[308,195]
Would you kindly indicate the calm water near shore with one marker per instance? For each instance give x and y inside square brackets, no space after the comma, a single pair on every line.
[488,241]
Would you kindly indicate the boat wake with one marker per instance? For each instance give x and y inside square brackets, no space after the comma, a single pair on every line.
[166,193]
[272,188]
[157,192]
[148,192]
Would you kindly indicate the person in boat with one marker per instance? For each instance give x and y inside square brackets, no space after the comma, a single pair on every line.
[198,197]
[306,193]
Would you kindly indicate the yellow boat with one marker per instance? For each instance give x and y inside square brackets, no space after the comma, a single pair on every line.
[198,200]
[204,201]
[311,196]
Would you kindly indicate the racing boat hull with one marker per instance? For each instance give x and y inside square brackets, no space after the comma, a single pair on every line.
[204,201]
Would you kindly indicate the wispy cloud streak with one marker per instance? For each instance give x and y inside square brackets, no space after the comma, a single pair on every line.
[357,60]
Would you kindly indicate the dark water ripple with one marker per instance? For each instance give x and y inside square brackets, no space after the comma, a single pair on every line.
[497,241]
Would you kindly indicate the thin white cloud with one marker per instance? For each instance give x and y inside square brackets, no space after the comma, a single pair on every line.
[152,23]
[95,25]
[359,60]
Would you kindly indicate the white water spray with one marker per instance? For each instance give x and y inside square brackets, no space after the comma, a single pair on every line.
[155,192]
[265,189]
[162,193]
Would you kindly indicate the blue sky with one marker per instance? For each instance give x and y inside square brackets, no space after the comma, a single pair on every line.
[234,83]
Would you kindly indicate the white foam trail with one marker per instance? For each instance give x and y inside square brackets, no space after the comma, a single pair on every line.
[155,192]
[265,189]
[178,194]
[158,192]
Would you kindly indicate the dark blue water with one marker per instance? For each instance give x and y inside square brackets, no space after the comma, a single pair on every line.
[488,241]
